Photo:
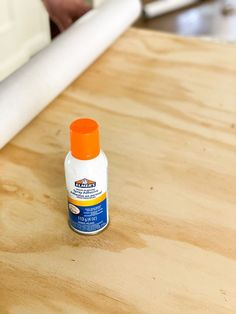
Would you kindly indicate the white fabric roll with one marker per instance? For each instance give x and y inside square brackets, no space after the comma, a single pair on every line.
[29,90]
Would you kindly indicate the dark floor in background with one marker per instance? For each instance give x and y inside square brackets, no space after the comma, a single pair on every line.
[212,18]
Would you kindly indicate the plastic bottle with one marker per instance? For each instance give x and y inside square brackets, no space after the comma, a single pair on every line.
[86,172]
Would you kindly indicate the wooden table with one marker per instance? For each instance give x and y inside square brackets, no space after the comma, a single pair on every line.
[167,108]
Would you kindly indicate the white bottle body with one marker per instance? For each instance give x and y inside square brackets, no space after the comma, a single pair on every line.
[87,187]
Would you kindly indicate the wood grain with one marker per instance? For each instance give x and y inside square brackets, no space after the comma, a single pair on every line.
[167,108]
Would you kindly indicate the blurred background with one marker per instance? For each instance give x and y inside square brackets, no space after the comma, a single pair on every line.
[210,18]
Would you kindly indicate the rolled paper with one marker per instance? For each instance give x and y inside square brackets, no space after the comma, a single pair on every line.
[157,8]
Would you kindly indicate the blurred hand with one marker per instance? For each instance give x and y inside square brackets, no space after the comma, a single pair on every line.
[65,12]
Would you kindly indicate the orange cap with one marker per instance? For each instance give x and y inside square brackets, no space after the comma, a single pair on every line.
[84,137]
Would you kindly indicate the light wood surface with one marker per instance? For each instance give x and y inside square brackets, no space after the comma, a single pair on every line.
[167,108]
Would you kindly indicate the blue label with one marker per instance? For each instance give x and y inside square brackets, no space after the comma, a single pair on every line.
[89,218]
